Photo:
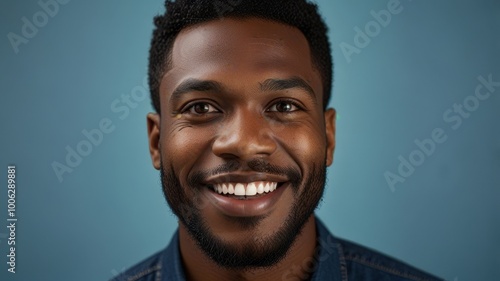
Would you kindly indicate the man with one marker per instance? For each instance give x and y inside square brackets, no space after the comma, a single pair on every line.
[242,137]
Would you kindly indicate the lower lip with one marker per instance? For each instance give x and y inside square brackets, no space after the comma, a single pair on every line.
[248,207]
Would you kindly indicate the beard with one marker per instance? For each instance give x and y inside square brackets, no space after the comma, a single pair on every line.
[260,251]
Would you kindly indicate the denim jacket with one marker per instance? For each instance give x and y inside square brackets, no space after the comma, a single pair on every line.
[335,259]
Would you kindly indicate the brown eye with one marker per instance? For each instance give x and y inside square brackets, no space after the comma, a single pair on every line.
[201,108]
[284,106]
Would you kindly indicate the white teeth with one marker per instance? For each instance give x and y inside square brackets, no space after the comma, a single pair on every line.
[266,188]
[260,188]
[230,188]
[251,189]
[245,189]
[239,189]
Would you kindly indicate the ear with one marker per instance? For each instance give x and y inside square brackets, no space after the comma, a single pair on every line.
[153,120]
[330,118]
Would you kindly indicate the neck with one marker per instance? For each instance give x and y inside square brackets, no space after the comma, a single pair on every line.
[198,266]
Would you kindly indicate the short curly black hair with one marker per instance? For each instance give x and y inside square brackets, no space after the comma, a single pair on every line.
[180,14]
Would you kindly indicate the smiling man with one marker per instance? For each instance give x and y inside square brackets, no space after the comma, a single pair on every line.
[242,136]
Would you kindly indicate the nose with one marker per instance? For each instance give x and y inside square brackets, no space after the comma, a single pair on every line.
[245,136]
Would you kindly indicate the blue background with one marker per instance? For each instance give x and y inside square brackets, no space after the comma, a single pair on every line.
[109,212]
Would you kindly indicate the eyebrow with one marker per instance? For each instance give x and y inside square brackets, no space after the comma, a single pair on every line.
[286,84]
[196,85]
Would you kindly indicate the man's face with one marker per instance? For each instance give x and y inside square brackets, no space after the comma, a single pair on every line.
[243,141]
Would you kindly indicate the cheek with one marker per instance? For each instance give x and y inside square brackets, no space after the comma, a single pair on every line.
[182,147]
[308,146]
[304,142]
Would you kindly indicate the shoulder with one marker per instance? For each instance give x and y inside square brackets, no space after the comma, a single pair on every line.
[146,270]
[362,262]
[164,265]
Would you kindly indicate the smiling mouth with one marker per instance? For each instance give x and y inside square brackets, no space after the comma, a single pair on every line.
[246,190]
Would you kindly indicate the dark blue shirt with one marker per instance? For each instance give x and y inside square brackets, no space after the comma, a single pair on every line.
[334,259]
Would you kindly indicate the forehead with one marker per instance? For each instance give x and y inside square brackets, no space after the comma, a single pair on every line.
[229,35]
[250,48]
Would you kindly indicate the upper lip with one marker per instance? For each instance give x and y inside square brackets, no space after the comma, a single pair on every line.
[244,178]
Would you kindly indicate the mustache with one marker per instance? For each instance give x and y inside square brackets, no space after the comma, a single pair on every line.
[255,165]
